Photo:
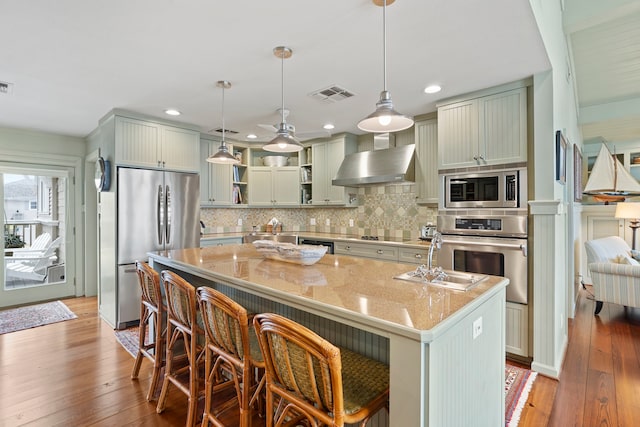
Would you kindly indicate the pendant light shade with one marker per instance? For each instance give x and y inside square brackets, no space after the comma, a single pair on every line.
[284,142]
[223,156]
[385,118]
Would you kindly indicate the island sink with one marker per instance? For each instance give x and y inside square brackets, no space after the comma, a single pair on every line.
[453,280]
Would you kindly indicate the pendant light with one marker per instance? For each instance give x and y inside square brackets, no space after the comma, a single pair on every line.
[284,142]
[223,156]
[385,118]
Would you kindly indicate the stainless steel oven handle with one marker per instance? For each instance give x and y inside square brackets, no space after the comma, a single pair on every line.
[521,247]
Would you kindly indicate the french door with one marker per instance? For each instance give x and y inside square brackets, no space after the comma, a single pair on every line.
[39,220]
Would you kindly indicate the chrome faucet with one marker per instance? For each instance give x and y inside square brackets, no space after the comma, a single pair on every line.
[435,273]
[274,229]
[436,243]
[429,272]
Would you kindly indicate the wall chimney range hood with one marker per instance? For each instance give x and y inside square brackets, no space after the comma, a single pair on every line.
[380,166]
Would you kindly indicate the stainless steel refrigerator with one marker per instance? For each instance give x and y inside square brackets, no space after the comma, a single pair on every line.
[157,210]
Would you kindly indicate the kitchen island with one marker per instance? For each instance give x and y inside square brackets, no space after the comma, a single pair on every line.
[445,348]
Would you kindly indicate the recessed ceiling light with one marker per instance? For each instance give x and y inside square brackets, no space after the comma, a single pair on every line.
[432,89]
[328,126]
[172,112]
[252,136]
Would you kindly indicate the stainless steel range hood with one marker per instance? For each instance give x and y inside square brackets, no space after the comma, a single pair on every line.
[388,165]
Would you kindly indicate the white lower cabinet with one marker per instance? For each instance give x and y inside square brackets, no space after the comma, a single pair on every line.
[274,186]
[219,241]
[365,250]
[517,333]
[412,256]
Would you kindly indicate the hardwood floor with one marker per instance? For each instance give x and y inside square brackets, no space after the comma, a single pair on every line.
[600,380]
[75,373]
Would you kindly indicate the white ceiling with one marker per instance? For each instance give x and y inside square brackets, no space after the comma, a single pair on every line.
[72,61]
[604,37]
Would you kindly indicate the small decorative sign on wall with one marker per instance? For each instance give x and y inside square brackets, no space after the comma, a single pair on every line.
[577,174]
[561,158]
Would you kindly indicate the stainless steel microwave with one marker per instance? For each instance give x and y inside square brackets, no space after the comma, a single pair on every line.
[505,188]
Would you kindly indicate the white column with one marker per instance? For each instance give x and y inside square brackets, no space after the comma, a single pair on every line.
[549,286]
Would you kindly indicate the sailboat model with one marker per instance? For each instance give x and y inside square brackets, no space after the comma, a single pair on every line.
[609,180]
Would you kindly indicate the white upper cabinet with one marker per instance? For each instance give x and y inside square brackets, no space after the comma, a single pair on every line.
[483,131]
[215,179]
[153,145]
[426,140]
[274,186]
[458,134]
[327,158]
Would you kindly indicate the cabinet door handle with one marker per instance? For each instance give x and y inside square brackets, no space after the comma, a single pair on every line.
[348,248]
[419,256]
[380,251]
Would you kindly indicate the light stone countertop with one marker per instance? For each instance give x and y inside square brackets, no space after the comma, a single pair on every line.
[357,291]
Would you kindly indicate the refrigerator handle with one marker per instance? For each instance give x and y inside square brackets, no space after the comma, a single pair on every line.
[160,215]
[168,213]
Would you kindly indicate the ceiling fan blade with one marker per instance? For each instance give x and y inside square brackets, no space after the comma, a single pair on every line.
[313,134]
[270,128]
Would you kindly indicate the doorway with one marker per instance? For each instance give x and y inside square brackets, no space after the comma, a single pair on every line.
[38,220]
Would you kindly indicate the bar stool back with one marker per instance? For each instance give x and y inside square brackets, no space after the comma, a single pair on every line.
[312,380]
[152,310]
[182,330]
[232,356]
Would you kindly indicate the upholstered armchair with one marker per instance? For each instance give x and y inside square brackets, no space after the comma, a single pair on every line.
[614,272]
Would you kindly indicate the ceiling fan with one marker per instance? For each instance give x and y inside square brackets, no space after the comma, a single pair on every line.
[273,129]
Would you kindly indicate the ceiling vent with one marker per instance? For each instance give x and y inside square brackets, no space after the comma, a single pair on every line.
[6,88]
[219,130]
[332,94]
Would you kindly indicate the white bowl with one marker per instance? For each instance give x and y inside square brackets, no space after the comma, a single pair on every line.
[288,252]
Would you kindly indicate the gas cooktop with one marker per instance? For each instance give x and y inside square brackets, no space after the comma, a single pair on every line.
[369,238]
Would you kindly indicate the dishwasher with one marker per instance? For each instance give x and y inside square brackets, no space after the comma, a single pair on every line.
[327,243]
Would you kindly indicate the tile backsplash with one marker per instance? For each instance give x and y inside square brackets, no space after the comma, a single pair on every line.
[385,210]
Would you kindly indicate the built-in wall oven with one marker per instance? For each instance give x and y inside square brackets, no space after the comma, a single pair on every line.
[487,244]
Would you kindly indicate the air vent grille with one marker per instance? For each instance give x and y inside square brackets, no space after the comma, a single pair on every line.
[6,88]
[332,94]
[219,130]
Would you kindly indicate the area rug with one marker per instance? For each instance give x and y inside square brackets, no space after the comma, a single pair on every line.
[128,338]
[31,316]
[517,385]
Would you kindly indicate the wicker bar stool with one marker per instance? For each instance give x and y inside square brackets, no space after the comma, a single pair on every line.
[183,330]
[233,359]
[152,311]
[314,381]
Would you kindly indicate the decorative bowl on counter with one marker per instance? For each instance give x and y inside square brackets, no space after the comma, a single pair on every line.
[288,252]
[275,161]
